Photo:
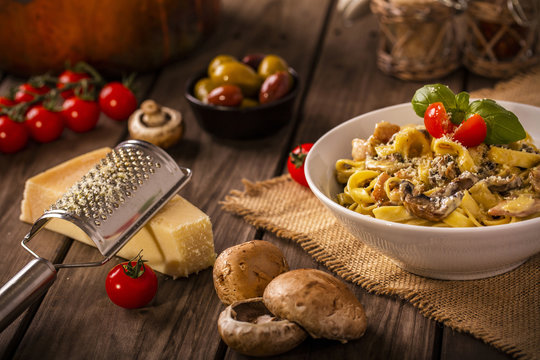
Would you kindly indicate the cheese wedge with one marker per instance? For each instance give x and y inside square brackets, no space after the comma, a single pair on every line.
[177,241]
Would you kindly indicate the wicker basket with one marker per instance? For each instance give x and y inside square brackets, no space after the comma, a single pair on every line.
[417,40]
[496,45]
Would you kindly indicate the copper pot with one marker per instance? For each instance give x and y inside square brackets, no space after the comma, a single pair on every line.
[115,36]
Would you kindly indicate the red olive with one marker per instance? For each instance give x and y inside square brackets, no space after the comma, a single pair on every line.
[275,86]
[225,95]
[253,60]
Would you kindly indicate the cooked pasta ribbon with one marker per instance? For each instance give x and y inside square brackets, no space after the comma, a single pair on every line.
[515,158]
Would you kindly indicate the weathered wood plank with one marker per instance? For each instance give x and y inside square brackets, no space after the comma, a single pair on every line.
[347,83]
[182,321]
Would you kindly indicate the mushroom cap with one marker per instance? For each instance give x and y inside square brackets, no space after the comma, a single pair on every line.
[243,271]
[249,328]
[165,129]
[317,301]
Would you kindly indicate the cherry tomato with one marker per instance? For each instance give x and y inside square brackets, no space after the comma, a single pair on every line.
[26,92]
[471,132]
[437,121]
[68,77]
[117,101]
[131,284]
[80,115]
[13,135]
[295,163]
[225,95]
[44,125]
[6,102]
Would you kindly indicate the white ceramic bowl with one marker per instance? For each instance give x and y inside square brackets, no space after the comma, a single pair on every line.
[441,253]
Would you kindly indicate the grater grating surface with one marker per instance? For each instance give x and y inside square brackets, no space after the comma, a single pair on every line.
[105,187]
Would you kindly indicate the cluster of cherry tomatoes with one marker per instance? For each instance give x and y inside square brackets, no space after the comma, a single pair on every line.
[43,107]
[471,132]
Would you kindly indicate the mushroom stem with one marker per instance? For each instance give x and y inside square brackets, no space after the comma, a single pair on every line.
[152,114]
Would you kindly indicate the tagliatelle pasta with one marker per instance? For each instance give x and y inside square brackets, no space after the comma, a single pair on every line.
[410,177]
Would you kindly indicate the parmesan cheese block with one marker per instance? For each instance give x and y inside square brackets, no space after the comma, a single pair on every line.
[177,241]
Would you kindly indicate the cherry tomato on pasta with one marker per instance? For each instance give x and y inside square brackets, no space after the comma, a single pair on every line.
[437,121]
[471,132]
[295,163]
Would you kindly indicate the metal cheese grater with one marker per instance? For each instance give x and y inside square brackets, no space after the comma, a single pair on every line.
[110,204]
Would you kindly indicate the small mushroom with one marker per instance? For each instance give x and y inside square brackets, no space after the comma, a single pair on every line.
[500,184]
[318,302]
[161,126]
[243,271]
[433,208]
[463,182]
[248,327]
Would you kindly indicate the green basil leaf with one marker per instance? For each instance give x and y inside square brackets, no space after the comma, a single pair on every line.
[429,94]
[503,126]
[462,104]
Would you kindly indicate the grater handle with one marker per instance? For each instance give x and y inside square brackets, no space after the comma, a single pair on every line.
[27,286]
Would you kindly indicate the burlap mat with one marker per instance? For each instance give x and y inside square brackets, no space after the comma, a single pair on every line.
[523,88]
[503,311]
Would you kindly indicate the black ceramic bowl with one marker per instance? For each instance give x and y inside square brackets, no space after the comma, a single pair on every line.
[242,123]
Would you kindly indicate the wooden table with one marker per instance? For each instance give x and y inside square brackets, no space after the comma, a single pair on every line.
[340,79]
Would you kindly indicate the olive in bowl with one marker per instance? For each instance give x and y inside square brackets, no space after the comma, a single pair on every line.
[251,107]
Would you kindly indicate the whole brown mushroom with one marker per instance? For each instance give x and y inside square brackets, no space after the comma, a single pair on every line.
[249,328]
[318,302]
[159,125]
[243,271]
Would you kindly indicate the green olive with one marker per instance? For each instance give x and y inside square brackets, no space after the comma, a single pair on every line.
[202,88]
[247,102]
[272,64]
[218,60]
[239,74]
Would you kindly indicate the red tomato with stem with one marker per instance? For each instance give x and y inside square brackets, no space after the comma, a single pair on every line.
[295,163]
[437,121]
[117,101]
[13,135]
[26,92]
[131,284]
[69,77]
[44,125]
[471,132]
[80,115]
